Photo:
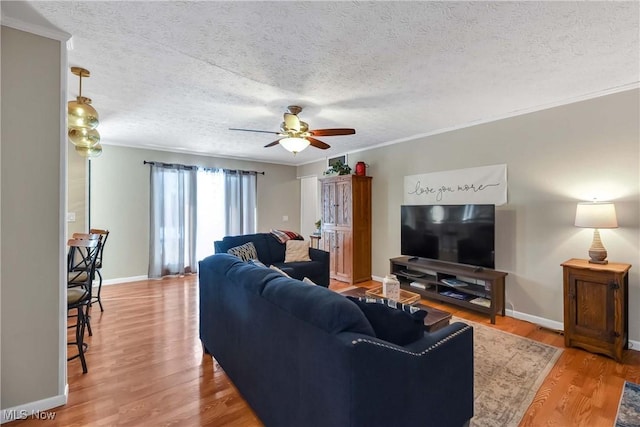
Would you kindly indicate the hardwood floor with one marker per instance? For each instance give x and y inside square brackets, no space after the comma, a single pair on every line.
[146,367]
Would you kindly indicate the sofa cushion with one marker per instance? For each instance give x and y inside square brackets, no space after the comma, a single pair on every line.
[244,252]
[397,323]
[248,275]
[298,270]
[317,305]
[275,248]
[297,251]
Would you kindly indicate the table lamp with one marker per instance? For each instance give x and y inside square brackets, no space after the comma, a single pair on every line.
[596,215]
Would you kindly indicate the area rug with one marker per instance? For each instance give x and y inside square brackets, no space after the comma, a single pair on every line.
[629,407]
[508,370]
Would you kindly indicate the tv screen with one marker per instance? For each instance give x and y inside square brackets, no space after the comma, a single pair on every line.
[462,234]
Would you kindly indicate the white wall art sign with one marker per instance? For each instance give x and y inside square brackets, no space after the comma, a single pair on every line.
[481,185]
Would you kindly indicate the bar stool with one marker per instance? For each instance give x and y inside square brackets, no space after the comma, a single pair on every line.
[81,266]
[104,235]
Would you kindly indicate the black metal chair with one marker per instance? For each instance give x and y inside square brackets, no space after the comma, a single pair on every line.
[104,235]
[78,270]
[81,261]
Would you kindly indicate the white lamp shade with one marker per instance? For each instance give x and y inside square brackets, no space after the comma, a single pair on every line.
[295,145]
[596,215]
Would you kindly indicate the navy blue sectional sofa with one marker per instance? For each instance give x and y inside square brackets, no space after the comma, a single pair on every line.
[303,355]
[271,252]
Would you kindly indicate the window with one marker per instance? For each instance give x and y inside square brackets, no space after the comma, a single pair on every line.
[191,208]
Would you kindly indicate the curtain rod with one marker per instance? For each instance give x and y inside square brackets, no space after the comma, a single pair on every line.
[190,167]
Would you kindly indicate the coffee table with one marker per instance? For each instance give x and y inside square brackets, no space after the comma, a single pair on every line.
[436,319]
[406,297]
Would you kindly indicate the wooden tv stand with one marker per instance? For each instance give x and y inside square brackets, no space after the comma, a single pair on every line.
[481,285]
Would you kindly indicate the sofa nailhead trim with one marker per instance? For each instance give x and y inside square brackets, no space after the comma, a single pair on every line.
[402,350]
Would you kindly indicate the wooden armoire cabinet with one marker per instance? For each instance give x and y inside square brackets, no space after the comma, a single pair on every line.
[346,226]
[596,307]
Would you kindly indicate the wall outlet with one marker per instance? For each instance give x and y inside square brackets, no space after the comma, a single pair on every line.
[71,217]
[285,218]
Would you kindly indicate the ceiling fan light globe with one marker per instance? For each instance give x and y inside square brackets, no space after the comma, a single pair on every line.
[294,145]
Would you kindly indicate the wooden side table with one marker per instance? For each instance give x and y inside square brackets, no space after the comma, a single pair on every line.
[315,241]
[596,306]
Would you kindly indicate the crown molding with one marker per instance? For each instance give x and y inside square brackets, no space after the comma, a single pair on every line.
[39,30]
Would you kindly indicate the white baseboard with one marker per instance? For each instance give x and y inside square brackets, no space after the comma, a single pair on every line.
[36,410]
[557,326]
[545,323]
[124,280]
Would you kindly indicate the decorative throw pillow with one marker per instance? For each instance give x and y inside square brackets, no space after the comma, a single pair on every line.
[273,267]
[309,281]
[394,322]
[244,252]
[283,235]
[257,262]
[297,250]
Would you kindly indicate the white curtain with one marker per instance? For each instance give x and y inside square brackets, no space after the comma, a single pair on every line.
[211,210]
[240,202]
[172,248]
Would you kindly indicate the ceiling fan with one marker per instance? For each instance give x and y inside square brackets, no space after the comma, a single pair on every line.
[295,134]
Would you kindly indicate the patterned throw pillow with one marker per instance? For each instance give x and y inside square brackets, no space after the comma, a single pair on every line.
[244,252]
[397,323]
[297,250]
[283,235]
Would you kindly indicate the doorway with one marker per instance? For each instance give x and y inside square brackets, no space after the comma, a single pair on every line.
[309,205]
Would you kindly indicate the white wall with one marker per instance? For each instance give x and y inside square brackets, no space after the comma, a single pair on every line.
[32,227]
[120,202]
[555,158]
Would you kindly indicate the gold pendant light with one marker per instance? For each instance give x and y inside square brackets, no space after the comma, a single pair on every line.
[82,121]
[82,137]
[90,152]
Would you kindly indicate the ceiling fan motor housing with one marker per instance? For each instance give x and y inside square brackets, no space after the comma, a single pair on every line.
[294,128]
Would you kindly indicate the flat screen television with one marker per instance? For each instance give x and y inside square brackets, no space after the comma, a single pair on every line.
[462,234]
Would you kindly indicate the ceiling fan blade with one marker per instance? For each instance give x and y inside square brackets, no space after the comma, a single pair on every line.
[292,122]
[317,143]
[271,144]
[332,132]
[253,130]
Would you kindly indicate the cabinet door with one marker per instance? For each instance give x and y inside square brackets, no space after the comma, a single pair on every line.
[329,245]
[328,203]
[343,203]
[343,255]
[592,307]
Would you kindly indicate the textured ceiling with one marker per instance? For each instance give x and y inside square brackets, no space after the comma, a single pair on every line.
[177,75]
